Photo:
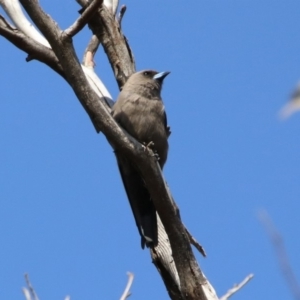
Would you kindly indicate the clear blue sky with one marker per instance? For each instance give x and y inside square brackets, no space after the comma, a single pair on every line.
[64,216]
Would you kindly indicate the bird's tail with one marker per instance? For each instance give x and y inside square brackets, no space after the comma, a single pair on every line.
[140,201]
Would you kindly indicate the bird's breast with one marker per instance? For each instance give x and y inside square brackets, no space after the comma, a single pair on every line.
[144,119]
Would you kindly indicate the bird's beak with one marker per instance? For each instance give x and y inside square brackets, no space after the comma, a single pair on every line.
[161,76]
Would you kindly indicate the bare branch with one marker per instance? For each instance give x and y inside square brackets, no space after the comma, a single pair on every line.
[90,51]
[121,14]
[84,18]
[162,258]
[194,242]
[45,55]
[237,287]
[88,68]
[89,59]
[112,5]
[26,294]
[14,11]
[192,281]
[31,290]
[115,45]
[282,256]
[35,50]
[98,87]
[126,292]
[109,5]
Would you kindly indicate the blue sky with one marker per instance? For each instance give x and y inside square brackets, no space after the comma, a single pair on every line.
[64,216]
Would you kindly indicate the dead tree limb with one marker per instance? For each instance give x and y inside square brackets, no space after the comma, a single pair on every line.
[237,287]
[282,256]
[126,292]
[173,256]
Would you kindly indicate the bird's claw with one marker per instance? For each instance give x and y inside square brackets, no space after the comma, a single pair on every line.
[150,146]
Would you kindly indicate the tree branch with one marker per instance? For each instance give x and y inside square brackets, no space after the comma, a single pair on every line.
[237,287]
[194,242]
[14,11]
[278,244]
[121,14]
[29,292]
[84,18]
[89,53]
[104,25]
[88,68]
[35,50]
[126,292]
[112,5]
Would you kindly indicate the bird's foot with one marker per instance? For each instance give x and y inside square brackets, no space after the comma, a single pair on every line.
[150,146]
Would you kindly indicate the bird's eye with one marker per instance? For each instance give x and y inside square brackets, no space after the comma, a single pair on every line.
[146,73]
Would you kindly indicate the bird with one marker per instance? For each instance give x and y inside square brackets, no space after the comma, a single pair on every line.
[139,110]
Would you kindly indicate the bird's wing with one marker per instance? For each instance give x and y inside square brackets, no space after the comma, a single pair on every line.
[140,201]
[168,128]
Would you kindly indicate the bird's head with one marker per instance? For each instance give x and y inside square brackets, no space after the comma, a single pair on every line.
[147,83]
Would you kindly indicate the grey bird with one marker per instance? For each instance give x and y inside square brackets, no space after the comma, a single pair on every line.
[140,111]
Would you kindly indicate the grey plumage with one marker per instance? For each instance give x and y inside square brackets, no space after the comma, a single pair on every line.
[140,111]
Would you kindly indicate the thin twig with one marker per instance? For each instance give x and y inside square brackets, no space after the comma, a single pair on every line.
[26,294]
[31,289]
[126,292]
[90,51]
[195,243]
[237,287]
[121,14]
[281,253]
[84,18]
